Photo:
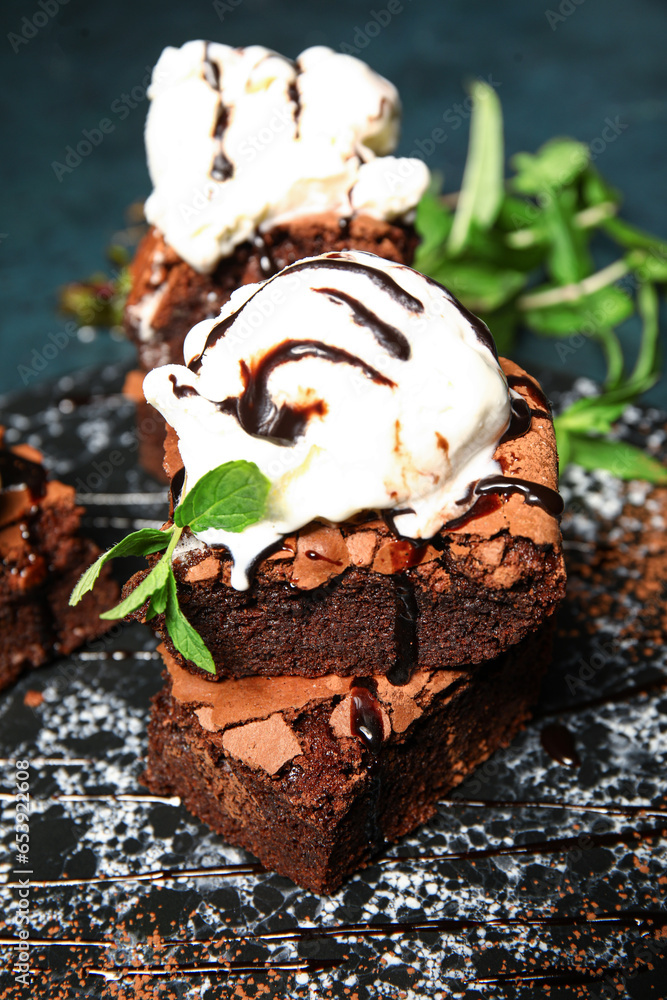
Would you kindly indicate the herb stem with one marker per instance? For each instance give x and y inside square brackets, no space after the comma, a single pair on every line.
[588,218]
[647,300]
[613,353]
[577,290]
[173,542]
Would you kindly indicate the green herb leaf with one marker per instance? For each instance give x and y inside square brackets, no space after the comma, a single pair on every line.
[630,236]
[434,223]
[185,638]
[481,287]
[157,603]
[564,445]
[482,187]
[150,585]
[621,459]
[646,366]
[568,259]
[648,265]
[594,414]
[613,353]
[596,190]
[518,213]
[505,325]
[230,497]
[139,543]
[555,165]
[600,310]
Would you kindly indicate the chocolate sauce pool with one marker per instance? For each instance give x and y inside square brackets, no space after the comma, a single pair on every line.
[558,742]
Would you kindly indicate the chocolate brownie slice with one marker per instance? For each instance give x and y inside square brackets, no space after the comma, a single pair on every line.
[354,599]
[42,557]
[168,296]
[314,776]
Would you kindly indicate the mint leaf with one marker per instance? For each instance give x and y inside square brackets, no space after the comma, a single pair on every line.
[564,445]
[649,265]
[481,287]
[646,366]
[482,187]
[139,543]
[613,353]
[433,222]
[621,459]
[185,638]
[630,236]
[157,602]
[596,190]
[505,325]
[565,318]
[518,213]
[599,417]
[555,165]
[568,259]
[149,586]
[230,498]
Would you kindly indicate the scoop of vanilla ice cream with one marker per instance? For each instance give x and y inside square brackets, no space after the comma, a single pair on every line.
[354,384]
[294,137]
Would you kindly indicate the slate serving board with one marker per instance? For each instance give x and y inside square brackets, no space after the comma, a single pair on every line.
[470,910]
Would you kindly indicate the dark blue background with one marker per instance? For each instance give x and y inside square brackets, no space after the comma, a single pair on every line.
[603,59]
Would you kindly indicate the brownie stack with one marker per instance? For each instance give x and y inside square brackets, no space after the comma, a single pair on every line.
[362,675]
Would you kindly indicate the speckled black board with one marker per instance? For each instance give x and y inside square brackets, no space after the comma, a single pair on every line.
[473,925]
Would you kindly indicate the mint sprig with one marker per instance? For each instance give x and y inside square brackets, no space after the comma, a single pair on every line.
[519,253]
[99,300]
[139,543]
[231,497]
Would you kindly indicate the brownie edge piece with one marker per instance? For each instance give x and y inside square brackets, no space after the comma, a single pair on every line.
[42,556]
[463,597]
[273,765]
[168,297]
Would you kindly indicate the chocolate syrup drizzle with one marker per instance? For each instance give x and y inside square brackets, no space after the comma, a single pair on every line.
[405,630]
[294,95]
[181,391]
[226,967]
[526,382]
[366,725]
[176,488]
[333,261]
[520,419]
[18,471]
[534,494]
[393,341]
[222,168]
[255,410]
[366,718]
